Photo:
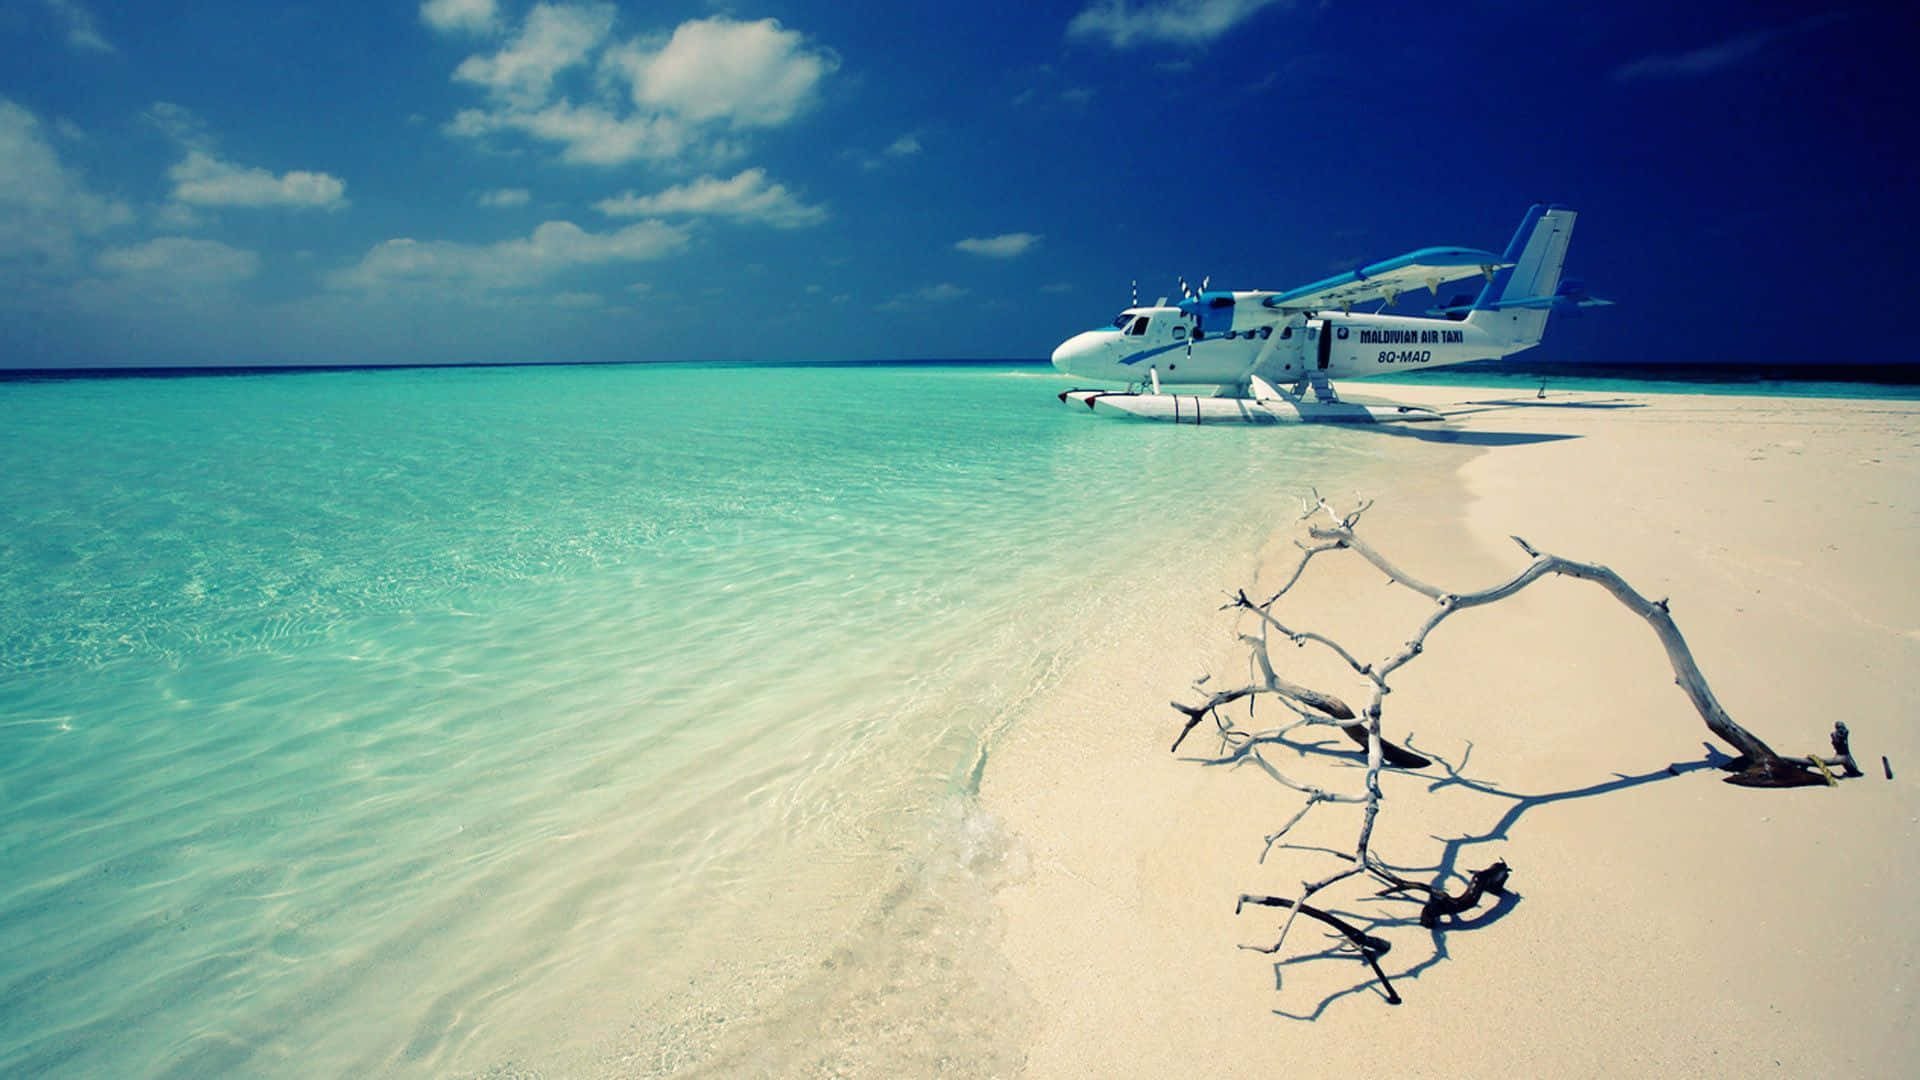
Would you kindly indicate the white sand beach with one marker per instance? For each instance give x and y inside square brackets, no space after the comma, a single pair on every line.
[1662,922]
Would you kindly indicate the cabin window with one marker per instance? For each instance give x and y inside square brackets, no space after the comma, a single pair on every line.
[1266,332]
[1179,333]
[1139,325]
[1286,332]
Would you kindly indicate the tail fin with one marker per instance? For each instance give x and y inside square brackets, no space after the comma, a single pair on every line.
[1514,305]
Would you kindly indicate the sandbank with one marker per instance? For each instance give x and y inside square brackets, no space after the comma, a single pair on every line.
[1662,922]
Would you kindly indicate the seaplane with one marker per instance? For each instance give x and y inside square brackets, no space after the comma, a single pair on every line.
[1250,357]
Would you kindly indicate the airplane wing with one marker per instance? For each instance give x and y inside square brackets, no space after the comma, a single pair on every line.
[1428,268]
[1568,299]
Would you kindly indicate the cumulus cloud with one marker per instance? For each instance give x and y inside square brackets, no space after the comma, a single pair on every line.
[643,99]
[1711,58]
[457,16]
[204,180]
[44,206]
[180,261]
[589,134]
[747,197]
[1123,25]
[1004,246]
[504,197]
[553,247]
[554,38]
[746,74]
[82,35]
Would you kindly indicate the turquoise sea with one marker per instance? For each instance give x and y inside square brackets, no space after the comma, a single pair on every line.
[572,720]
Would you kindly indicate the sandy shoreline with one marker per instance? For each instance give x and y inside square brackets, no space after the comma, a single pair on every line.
[1663,922]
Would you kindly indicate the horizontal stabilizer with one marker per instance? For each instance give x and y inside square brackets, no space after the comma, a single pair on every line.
[1567,299]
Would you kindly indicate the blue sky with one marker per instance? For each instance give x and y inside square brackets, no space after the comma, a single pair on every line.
[491,180]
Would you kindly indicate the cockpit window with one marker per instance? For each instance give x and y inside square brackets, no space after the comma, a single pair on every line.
[1121,320]
[1139,325]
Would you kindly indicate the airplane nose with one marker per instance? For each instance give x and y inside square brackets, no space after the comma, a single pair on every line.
[1070,350]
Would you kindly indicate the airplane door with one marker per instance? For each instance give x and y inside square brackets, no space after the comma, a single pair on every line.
[1322,342]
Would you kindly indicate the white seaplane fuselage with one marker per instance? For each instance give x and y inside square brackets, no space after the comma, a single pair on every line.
[1161,340]
[1245,347]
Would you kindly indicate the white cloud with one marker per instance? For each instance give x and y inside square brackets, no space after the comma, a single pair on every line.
[177,261]
[746,197]
[81,33]
[204,180]
[551,248]
[450,16]
[1174,22]
[44,206]
[504,197]
[1004,246]
[180,123]
[590,134]
[178,216]
[1718,56]
[577,301]
[943,293]
[748,74]
[645,100]
[554,38]
[905,146]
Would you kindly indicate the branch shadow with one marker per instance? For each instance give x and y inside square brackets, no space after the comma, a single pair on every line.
[1446,868]
[1235,753]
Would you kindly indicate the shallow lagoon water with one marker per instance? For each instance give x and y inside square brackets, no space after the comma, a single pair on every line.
[563,719]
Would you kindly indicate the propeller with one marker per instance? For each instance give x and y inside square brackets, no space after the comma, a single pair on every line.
[1194,298]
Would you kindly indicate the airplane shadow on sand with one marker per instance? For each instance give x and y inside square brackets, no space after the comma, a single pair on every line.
[1456,437]
[1372,910]
[1467,438]
[1530,403]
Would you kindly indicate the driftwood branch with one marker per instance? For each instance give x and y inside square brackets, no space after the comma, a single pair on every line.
[1757,764]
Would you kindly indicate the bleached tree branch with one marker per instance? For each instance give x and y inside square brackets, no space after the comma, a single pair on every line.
[1757,765]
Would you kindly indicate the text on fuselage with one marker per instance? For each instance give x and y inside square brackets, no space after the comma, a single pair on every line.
[1411,337]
